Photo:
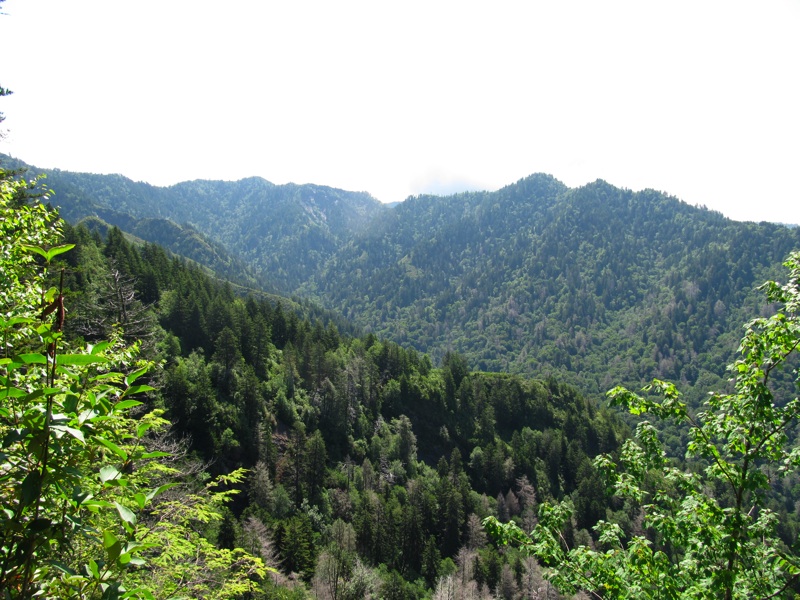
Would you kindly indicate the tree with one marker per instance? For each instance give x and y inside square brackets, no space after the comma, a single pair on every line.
[316,459]
[712,533]
[295,540]
[336,563]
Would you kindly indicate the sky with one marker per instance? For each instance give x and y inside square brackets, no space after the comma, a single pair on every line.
[699,99]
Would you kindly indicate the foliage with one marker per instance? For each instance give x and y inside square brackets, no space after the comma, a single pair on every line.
[366,434]
[79,485]
[227,226]
[184,563]
[709,532]
[535,278]
[336,427]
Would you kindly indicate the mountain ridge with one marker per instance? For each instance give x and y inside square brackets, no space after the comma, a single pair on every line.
[594,284]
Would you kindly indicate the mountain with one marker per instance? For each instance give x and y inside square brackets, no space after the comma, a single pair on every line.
[597,285]
[285,233]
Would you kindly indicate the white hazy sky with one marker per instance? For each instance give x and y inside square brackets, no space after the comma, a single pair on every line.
[698,98]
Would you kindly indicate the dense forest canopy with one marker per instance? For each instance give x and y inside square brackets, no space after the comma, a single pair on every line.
[454,375]
[595,285]
[345,438]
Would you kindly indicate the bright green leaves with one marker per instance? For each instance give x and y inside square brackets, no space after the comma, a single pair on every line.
[505,533]
[132,377]
[126,514]
[66,435]
[670,405]
[112,545]
[108,474]
[50,254]
[80,360]
[119,452]
[30,359]
[143,499]
[71,445]
[124,405]
[59,430]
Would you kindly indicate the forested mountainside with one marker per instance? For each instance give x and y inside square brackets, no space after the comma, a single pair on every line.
[284,233]
[350,440]
[370,467]
[595,285]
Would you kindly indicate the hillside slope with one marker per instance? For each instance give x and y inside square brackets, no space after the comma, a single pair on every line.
[596,285]
[285,233]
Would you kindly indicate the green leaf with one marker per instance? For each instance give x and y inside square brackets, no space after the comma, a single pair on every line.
[135,375]
[71,403]
[139,593]
[123,404]
[154,454]
[109,539]
[76,433]
[162,488]
[97,348]
[63,568]
[40,251]
[80,496]
[93,503]
[126,514]
[11,392]
[38,525]
[142,428]
[31,359]
[80,359]
[112,545]
[108,473]
[113,377]
[55,251]
[138,389]
[31,488]
[111,446]
[93,569]
[41,392]
[17,321]
[111,592]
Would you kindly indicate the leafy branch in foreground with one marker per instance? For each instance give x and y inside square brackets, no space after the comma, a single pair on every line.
[710,532]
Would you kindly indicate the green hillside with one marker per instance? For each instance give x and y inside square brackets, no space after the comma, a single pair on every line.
[284,233]
[341,433]
[595,285]
[371,465]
